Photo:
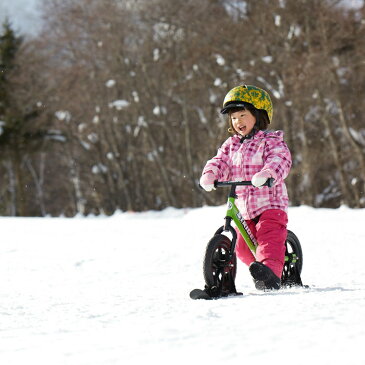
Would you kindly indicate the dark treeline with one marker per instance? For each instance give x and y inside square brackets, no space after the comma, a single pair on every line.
[115,104]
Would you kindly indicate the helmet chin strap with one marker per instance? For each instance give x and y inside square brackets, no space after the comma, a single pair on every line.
[250,135]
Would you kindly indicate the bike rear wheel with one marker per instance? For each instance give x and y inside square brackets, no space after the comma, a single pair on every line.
[217,268]
[294,264]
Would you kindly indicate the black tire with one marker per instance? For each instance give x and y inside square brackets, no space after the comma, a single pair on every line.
[215,264]
[292,270]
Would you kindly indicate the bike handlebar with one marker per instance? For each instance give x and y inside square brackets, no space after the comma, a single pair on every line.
[269,182]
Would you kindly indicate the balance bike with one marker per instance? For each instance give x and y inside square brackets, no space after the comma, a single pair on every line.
[220,261]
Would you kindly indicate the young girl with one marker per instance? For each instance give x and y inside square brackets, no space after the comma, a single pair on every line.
[256,154]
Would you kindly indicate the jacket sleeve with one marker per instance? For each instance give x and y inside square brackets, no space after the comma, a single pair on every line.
[277,157]
[220,164]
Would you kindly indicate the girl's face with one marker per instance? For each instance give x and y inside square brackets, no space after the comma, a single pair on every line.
[243,122]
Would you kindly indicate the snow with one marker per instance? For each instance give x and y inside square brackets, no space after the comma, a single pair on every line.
[135,96]
[277,20]
[156,110]
[217,82]
[110,83]
[63,115]
[93,137]
[294,31]
[156,54]
[267,59]
[220,60]
[99,169]
[358,136]
[115,290]
[119,104]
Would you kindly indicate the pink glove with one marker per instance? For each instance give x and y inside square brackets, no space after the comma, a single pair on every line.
[260,178]
[207,181]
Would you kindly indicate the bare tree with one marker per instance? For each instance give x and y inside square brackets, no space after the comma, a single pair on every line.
[125,97]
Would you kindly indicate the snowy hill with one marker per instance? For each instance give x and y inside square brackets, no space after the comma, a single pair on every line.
[116,291]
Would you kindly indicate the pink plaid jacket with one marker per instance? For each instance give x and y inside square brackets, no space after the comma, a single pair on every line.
[236,161]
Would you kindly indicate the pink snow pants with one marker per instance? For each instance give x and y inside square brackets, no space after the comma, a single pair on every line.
[270,232]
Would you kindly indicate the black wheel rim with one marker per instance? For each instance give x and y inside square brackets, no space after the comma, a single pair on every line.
[220,266]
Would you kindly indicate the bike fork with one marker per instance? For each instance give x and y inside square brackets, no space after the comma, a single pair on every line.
[228,228]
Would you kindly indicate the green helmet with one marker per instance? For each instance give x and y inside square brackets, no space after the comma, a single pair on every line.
[259,98]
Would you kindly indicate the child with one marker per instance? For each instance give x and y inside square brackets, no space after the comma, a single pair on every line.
[256,154]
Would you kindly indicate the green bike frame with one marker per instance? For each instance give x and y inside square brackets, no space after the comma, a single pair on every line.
[234,214]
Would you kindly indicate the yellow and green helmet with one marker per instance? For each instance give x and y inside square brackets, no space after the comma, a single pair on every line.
[259,98]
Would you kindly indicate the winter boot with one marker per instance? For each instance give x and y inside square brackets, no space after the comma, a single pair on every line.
[263,277]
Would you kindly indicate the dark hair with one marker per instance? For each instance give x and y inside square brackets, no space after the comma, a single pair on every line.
[262,119]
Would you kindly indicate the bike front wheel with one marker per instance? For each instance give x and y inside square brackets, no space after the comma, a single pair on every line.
[217,266]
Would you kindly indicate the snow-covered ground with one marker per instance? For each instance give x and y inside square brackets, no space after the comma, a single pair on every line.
[116,291]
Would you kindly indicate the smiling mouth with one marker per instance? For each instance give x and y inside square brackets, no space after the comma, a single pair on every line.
[242,129]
